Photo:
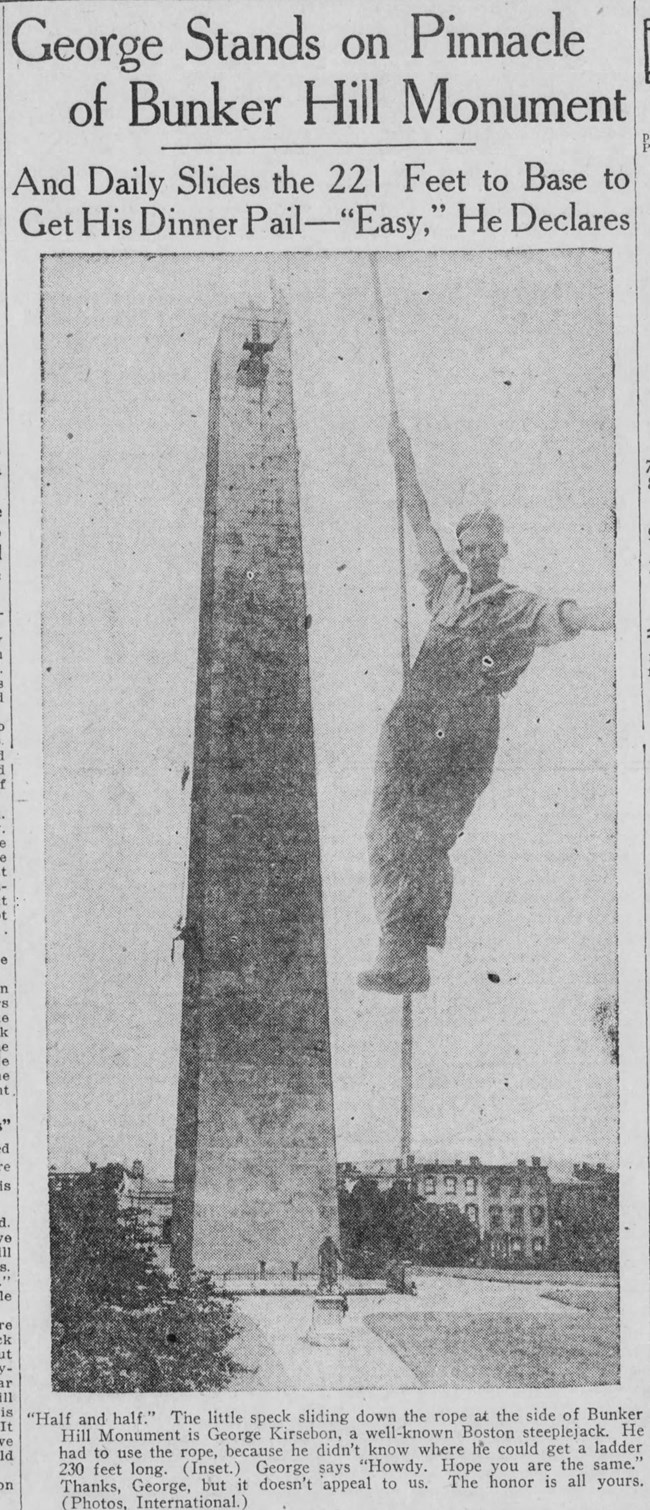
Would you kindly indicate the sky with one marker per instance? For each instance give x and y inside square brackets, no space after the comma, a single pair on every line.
[503,373]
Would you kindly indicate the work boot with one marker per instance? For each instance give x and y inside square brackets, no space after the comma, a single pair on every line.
[400,968]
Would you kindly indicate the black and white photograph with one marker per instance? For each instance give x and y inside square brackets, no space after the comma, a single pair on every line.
[329,733]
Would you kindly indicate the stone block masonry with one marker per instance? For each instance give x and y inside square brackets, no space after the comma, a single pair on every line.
[255,1176]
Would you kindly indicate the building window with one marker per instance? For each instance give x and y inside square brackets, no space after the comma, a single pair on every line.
[450,1184]
[429,1185]
[166,1229]
[517,1218]
[470,1185]
[537,1216]
[472,1213]
[496,1217]
[515,1187]
[516,1247]
[494,1187]
[538,1246]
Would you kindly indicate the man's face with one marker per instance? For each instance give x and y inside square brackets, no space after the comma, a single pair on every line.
[481,550]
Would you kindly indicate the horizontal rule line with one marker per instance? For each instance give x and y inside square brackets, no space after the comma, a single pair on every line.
[312,146]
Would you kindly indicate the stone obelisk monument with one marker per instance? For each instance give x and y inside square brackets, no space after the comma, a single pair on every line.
[255,1177]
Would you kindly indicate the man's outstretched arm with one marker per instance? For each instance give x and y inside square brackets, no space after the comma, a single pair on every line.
[561,621]
[430,546]
[592,616]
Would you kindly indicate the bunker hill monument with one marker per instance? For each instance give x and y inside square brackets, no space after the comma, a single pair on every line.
[255,1174]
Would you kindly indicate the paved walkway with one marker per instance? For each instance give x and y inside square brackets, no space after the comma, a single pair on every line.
[447,1292]
[366,1363]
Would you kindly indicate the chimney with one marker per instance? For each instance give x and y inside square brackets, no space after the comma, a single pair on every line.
[536,1163]
[474,1160]
[521,1163]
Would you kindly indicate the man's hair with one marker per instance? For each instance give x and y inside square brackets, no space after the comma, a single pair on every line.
[490,521]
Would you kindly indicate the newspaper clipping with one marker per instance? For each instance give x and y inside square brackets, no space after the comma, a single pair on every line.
[324,547]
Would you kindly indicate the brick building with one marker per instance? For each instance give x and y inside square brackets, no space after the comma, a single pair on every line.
[508,1203]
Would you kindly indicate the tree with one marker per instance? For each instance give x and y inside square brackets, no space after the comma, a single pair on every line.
[585,1224]
[119,1323]
[364,1243]
[447,1238]
[381,1228]
[98,1256]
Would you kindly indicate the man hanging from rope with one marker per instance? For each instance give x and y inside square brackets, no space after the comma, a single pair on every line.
[438,744]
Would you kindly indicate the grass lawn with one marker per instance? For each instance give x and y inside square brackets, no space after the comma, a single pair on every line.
[453,1350]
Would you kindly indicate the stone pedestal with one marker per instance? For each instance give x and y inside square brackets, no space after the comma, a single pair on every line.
[255,1176]
[328,1322]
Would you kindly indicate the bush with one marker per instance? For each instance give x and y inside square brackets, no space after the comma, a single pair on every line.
[119,1323]
[380,1228]
[447,1239]
[586,1226]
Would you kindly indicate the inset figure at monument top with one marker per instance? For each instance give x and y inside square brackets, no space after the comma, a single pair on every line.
[252,371]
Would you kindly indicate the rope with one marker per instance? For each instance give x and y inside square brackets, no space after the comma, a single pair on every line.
[407,1005]
[394,417]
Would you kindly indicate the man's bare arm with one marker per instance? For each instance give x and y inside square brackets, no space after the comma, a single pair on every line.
[430,546]
[561,621]
[589,616]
